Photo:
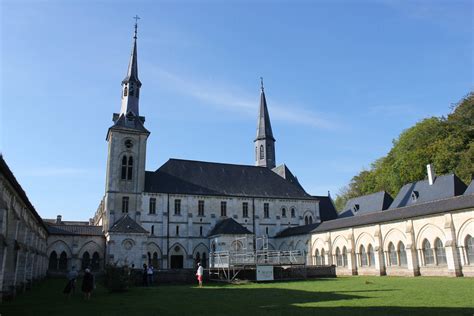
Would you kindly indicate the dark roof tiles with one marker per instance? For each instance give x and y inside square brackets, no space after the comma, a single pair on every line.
[367,203]
[228,226]
[79,230]
[127,225]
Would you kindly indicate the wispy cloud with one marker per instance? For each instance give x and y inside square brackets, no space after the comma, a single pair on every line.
[232,98]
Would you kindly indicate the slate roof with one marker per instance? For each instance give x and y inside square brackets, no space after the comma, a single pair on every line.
[129,122]
[416,210]
[178,176]
[327,210]
[77,230]
[298,230]
[8,174]
[443,187]
[284,172]
[367,203]
[264,128]
[228,226]
[470,188]
[127,225]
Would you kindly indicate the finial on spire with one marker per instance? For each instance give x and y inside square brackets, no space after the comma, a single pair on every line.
[261,83]
[136,17]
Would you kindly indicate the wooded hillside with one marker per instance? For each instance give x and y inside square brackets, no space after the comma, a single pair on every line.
[446,142]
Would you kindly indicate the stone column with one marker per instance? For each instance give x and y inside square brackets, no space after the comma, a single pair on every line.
[413,264]
[378,248]
[351,254]
[452,254]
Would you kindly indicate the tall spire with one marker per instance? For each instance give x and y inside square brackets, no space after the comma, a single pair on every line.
[131,84]
[264,142]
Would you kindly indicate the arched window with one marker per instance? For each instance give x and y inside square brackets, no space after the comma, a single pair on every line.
[53,261]
[402,254]
[427,252]
[363,256]
[62,261]
[197,259]
[125,91]
[130,168]
[262,153]
[318,257]
[293,212]
[200,230]
[152,229]
[469,245]
[440,252]
[154,261]
[323,259]
[306,222]
[266,231]
[344,256]
[339,262]
[283,212]
[177,230]
[124,168]
[86,260]
[204,260]
[95,265]
[392,255]
[310,220]
[371,255]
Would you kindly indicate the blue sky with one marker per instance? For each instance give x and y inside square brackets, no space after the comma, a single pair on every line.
[342,80]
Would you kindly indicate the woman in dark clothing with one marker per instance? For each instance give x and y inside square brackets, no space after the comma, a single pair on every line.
[87,284]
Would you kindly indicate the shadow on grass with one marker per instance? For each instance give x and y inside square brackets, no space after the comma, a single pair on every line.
[47,299]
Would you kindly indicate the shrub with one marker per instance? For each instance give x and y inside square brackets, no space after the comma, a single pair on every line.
[117,279]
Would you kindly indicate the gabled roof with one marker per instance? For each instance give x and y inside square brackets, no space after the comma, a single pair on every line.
[264,128]
[79,230]
[127,225]
[228,226]
[421,191]
[327,210]
[367,203]
[470,188]
[178,176]
[284,172]
[8,174]
[298,230]
[416,210]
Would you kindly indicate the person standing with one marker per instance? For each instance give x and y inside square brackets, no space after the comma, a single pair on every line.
[71,282]
[87,284]
[199,274]
[149,273]
[145,275]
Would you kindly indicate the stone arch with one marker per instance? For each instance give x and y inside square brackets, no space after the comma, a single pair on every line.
[340,241]
[177,244]
[283,246]
[203,252]
[318,243]
[154,254]
[466,229]
[91,247]
[271,247]
[300,245]
[394,235]
[364,239]
[59,246]
[423,234]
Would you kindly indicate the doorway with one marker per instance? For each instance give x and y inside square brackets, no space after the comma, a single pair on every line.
[176,262]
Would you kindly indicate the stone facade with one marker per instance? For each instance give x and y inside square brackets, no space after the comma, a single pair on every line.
[23,238]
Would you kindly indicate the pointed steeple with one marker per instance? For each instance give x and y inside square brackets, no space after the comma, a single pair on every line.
[264,127]
[264,142]
[131,84]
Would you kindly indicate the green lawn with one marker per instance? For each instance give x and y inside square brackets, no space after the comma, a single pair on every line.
[342,296]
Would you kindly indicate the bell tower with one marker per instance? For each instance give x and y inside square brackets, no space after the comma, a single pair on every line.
[264,142]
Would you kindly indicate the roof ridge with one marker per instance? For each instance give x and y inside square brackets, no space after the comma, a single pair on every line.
[217,163]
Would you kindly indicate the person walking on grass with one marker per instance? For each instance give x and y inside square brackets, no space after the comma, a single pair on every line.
[71,282]
[87,284]
[199,274]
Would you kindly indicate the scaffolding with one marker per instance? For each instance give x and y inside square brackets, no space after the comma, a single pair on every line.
[226,265]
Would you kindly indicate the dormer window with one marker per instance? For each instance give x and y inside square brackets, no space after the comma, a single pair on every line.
[414,196]
[356,207]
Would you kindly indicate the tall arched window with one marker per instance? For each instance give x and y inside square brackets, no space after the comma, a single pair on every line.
[427,252]
[318,257]
[283,212]
[392,255]
[310,220]
[293,212]
[363,256]
[130,168]
[86,260]
[306,221]
[402,255]
[197,259]
[344,256]
[125,91]
[440,252]
[262,153]
[323,259]
[152,229]
[62,261]
[371,255]
[124,168]
[339,262]
[53,261]
[154,260]
[95,264]
[469,246]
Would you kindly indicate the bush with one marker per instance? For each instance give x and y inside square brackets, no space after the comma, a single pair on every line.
[117,279]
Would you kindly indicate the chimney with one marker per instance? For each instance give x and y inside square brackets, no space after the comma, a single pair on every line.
[431,174]
[58,219]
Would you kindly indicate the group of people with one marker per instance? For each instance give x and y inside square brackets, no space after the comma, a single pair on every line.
[88,283]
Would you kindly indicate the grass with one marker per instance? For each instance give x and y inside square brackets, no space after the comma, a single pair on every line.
[341,296]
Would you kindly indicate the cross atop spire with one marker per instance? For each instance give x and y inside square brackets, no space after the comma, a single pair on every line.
[136,17]
[261,83]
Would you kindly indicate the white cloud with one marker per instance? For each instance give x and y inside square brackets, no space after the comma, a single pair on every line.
[233,99]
